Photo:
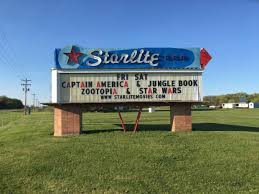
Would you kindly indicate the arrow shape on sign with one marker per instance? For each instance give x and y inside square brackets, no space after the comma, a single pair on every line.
[204,58]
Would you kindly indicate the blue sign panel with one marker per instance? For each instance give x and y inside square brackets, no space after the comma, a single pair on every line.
[76,57]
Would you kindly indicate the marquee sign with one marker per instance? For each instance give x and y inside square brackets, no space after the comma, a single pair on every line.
[128,87]
[84,75]
[93,77]
[76,57]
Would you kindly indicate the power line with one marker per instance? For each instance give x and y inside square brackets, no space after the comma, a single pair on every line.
[6,51]
[8,56]
[25,84]
[5,61]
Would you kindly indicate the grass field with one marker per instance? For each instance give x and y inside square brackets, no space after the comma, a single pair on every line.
[221,155]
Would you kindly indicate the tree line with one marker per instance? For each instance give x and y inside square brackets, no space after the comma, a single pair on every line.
[237,97]
[10,103]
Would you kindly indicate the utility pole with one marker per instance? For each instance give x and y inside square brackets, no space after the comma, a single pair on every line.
[38,103]
[25,84]
[34,100]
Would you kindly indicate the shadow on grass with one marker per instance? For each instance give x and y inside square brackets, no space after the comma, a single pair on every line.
[129,128]
[166,127]
[196,127]
[222,127]
[148,127]
[92,131]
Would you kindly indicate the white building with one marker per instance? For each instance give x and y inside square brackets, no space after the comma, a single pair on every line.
[228,105]
[253,104]
[242,105]
[151,109]
[235,105]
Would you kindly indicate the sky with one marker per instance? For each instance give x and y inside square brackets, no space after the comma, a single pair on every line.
[30,30]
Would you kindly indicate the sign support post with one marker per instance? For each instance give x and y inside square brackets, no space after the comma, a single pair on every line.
[67,119]
[181,117]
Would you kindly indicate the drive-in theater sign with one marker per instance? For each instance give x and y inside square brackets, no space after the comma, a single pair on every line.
[139,77]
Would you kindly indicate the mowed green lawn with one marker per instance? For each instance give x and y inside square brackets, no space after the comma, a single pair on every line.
[221,155]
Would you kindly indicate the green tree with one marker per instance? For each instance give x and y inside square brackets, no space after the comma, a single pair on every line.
[9,103]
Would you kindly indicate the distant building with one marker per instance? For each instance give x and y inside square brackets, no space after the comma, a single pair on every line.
[228,105]
[214,106]
[119,108]
[235,105]
[242,105]
[253,104]
[151,109]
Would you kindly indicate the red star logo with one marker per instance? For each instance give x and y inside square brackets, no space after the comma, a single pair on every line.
[73,56]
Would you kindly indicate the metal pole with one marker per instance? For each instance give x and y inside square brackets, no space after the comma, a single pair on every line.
[122,122]
[137,120]
[34,100]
